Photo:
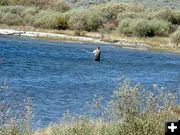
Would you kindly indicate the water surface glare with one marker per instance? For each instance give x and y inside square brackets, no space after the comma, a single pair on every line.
[60,76]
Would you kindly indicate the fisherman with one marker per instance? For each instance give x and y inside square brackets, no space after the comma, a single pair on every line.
[97,54]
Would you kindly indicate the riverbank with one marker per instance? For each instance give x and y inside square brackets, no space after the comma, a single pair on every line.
[160,44]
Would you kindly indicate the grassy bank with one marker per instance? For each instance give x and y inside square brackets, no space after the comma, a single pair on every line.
[131,110]
[110,21]
[151,43]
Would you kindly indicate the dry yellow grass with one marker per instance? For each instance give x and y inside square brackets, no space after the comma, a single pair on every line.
[157,43]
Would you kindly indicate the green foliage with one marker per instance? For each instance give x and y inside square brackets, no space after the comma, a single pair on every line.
[132,15]
[10,19]
[4,2]
[126,27]
[143,111]
[133,20]
[171,4]
[61,5]
[37,3]
[87,20]
[61,23]
[93,21]
[17,10]
[45,19]
[167,15]
[77,21]
[109,10]
[144,28]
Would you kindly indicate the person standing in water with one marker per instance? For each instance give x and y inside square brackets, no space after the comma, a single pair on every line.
[97,54]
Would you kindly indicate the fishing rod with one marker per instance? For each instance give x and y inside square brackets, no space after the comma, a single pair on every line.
[86,51]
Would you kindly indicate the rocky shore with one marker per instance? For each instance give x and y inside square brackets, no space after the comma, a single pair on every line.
[123,44]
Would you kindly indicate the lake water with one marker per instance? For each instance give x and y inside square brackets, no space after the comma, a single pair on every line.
[60,76]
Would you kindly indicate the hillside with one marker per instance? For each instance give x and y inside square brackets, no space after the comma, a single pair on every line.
[173,4]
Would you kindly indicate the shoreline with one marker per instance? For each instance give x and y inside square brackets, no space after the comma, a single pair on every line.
[81,39]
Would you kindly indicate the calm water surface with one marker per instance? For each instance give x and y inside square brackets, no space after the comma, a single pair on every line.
[60,76]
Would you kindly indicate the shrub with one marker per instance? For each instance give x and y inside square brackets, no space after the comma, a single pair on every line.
[61,23]
[88,20]
[61,5]
[144,28]
[109,10]
[30,10]
[150,28]
[4,2]
[11,19]
[168,15]
[77,21]
[132,15]
[125,27]
[45,19]
[140,109]
[17,10]
[175,38]
[135,8]
[131,111]
[38,3]
[93,21]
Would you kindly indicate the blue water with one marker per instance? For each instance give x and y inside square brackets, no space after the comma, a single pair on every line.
[60,76]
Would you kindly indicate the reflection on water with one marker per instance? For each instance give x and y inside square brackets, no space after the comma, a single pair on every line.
[61,76]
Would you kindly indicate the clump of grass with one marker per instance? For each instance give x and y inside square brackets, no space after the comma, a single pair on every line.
[15,116]
[131,111]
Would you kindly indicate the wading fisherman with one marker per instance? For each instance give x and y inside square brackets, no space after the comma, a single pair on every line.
[97,54]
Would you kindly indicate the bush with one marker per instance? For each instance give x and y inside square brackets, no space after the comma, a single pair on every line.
[93,21]
[17,15]
[109,10]
[61,6]
[140,109]
[77,20]
[144,28]
[45,19]
[131,15]
[126,27]
[4,2]
[168,15]
[131,111]
[11,19]
[61,23]
[37,3]
[17,10]
[88,20]
[175,38]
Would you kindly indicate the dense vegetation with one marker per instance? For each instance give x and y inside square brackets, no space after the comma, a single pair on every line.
[97,16]
[143,111]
